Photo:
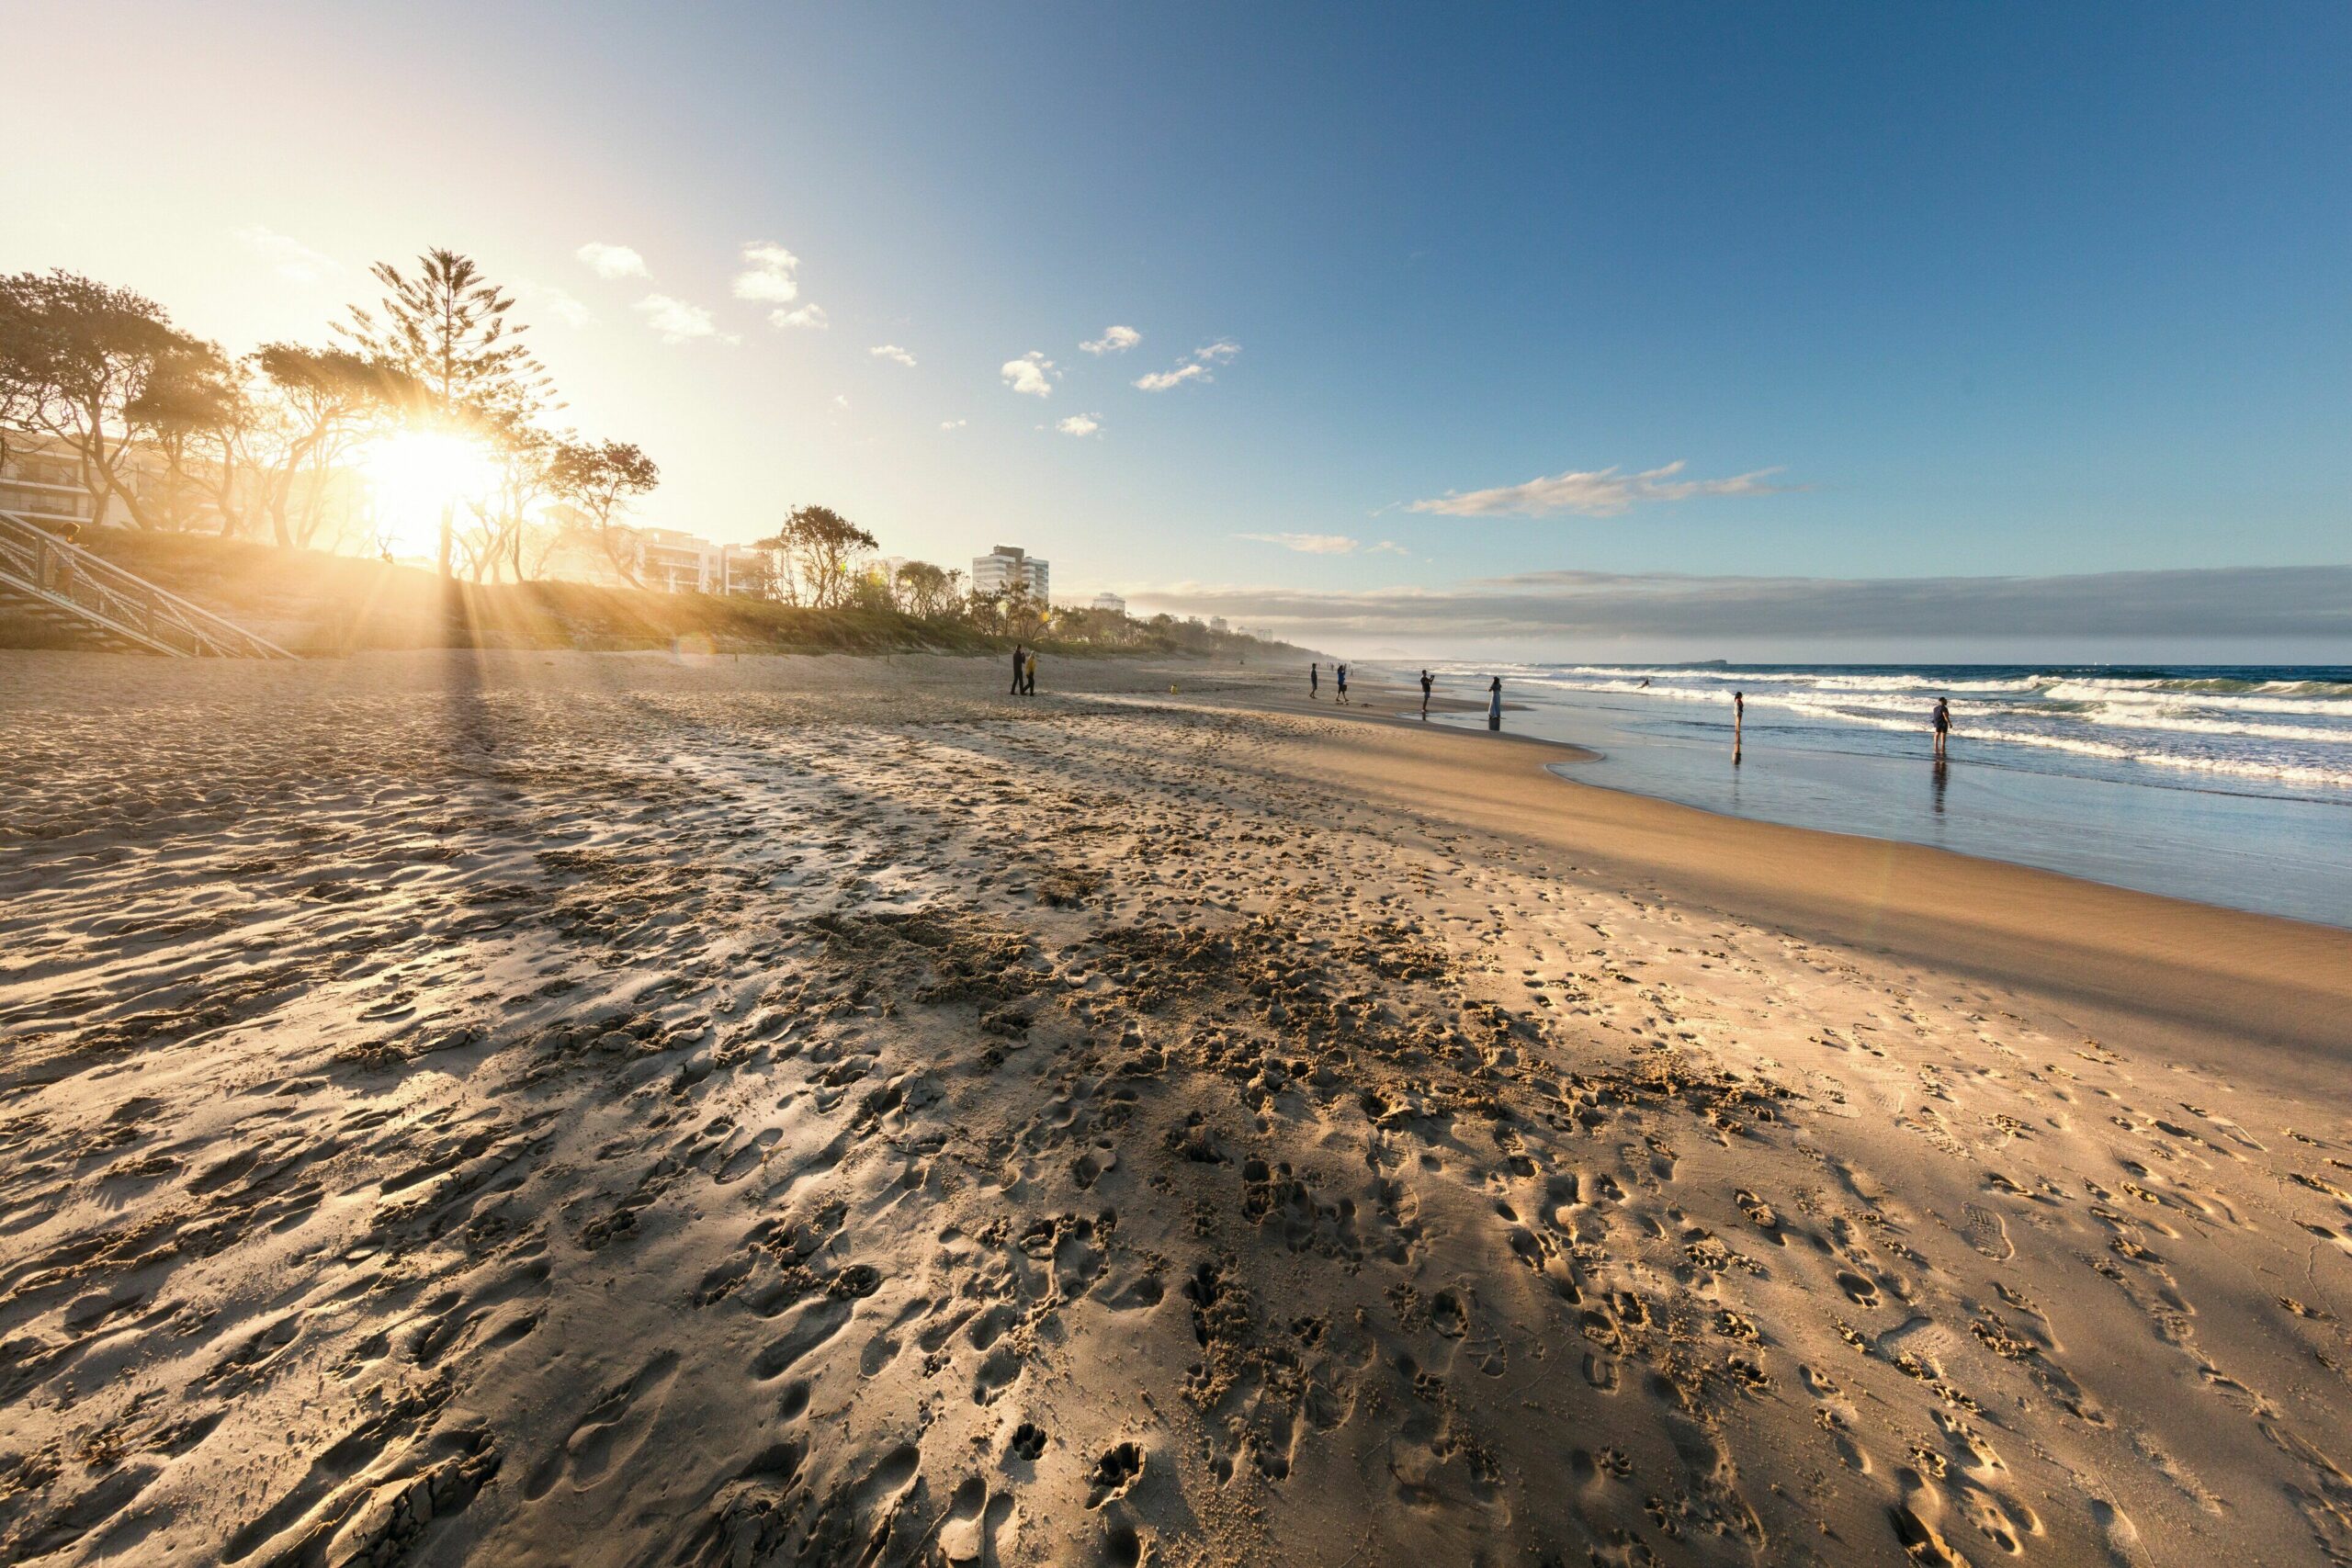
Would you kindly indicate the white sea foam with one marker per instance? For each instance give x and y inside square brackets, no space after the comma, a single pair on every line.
[2286,730]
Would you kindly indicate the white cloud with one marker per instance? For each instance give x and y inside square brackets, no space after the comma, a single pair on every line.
[1593,493]
[1029,375]
[558,305]
[1160,381]
[1194,366]
[612,261]
[767,275]
[1309,543]
[1080,425]
[288,257]
[893,353]
[1115,339]
[810,316]
[1388,548]
[954,424]
[675,320]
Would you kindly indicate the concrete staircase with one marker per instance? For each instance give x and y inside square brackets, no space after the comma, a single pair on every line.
[99,603]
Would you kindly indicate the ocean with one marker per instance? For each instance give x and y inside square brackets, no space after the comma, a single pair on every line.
[2228,784]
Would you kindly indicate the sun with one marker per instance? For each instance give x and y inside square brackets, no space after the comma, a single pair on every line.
[415,474]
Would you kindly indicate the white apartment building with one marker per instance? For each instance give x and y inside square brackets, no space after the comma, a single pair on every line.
[997,570]
[1106,600]
[45,486]
[678,563]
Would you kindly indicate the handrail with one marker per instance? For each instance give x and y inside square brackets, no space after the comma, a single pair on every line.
[38,565]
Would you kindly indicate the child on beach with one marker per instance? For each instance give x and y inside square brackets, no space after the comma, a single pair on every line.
[1029,676]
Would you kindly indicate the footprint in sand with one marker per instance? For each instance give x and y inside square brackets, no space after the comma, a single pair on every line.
[1986,1231]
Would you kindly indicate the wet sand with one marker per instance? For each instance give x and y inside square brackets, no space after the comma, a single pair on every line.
[592,1109]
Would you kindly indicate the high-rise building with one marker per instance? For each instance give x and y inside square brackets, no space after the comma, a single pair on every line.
[1106,600]
[997,570]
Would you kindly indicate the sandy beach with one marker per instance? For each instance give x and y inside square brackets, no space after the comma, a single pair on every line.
[595,1108]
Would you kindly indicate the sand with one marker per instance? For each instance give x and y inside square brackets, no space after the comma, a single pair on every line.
[570,1108]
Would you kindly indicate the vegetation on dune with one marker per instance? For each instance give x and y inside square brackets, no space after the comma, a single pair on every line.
[312,602]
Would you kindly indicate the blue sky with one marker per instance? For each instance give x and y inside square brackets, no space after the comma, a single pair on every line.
[1958,290]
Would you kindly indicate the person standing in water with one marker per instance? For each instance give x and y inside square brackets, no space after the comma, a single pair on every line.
[1738,716]
[1943,726]
[1494,702]
[1426,684]
[1315,680]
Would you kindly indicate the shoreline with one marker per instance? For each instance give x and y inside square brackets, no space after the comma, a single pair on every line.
[2161,956]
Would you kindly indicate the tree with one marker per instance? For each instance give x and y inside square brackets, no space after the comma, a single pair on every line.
[313,406]
[814,549]
[194,413]
[445,328]
[76,358]
[1023,614]
[928,592]
[523,475]
[599,480]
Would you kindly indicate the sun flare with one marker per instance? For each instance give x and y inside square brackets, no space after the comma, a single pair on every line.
[413,475]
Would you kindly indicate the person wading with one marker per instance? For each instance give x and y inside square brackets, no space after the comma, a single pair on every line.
[1943,727]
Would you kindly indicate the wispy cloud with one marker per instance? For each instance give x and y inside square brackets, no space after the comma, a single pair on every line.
[612,261]
[954,424]
[810,316]
[557,305]
[1160,381]
[1309,543]
[1080,425]
[1031,375]
[1593,493]
[288,258]
[677,320]
[893,353]
[2304,603]
[767,275]
[1196,366]
[1115,339]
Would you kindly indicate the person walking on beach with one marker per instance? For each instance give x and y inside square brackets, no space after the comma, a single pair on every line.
[1020,661]
[1426,684]
[1494,702]
[1029,675]
[1314,680]
[1943,726]
[1339,672]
